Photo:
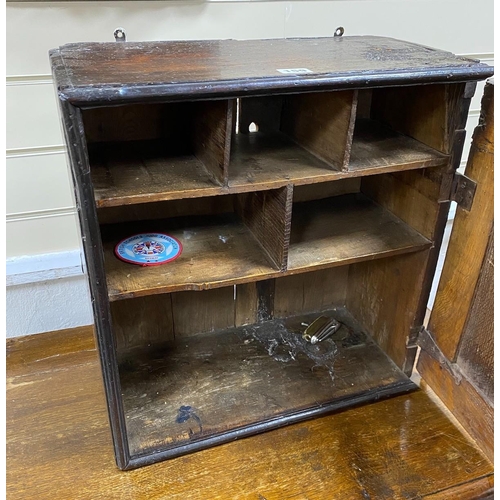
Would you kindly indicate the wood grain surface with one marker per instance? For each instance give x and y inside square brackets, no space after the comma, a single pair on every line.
[233,378]
[59,445]
[322,123]
[462,398]
[131,71]
[268,215]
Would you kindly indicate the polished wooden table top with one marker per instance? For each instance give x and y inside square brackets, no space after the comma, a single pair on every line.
[59,444]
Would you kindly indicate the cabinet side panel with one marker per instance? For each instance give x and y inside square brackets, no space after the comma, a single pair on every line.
[322,123]
[92,245]
[202,312]
[384,296]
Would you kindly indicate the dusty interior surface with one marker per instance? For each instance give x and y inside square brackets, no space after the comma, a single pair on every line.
[208,384]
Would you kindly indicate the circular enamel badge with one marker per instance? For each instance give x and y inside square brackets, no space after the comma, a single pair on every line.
[149,249]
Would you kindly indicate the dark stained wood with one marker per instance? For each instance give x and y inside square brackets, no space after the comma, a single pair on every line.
[464,260]
[268,215]
[121,72]
[141,322]
[143,172]
[212,123]
[462,398]
[202,312]
[476,352]
[403,447]
[346,229]
[323,124]
[308,292]
[73,128]
[220,250]
[383,295]
[239,377]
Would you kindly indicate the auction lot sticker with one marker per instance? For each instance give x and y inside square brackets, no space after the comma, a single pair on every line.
[149,249]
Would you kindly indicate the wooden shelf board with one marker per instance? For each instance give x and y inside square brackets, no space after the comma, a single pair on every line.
[241,376]
[217,251]
[376,146]
[346,229]
[220,251]
[143,172]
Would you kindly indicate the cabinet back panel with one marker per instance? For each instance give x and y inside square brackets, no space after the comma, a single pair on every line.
[166,209]
[309,292]
[326,189]
[137,122]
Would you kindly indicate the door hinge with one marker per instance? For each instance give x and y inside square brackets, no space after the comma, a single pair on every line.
[463,190]
[427,343]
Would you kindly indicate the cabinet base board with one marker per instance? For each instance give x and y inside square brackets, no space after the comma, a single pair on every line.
[207,389]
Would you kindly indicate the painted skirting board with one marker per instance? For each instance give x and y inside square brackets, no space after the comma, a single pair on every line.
[46,293]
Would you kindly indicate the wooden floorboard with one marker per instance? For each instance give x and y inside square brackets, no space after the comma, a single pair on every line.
[59,445]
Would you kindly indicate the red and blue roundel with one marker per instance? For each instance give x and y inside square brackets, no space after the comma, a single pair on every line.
[149,249]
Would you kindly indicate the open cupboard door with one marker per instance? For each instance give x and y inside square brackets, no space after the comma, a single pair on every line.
[456,357]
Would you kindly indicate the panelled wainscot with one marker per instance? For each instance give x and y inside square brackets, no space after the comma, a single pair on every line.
[323,189]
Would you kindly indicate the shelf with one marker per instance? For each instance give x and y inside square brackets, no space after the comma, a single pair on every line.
[217,251]
[378,147]
[141,172]
[346,229]
[203,386]
[220,250]
[126,173]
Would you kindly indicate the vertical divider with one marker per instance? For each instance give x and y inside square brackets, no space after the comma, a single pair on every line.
[268,215]
[323,124]
[213,125]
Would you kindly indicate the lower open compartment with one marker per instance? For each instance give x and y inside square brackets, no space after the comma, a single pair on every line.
[200,368]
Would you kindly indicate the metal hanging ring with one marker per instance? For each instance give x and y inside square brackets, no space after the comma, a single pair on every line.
[339,31]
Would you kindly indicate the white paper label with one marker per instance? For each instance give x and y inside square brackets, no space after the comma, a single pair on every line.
[294,71]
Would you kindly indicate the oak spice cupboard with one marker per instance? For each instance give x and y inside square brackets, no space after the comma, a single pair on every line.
[303,177]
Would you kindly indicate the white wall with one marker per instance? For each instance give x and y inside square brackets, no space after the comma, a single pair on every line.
[44,290]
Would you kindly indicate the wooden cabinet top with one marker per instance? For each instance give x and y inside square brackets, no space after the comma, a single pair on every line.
[101,73]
